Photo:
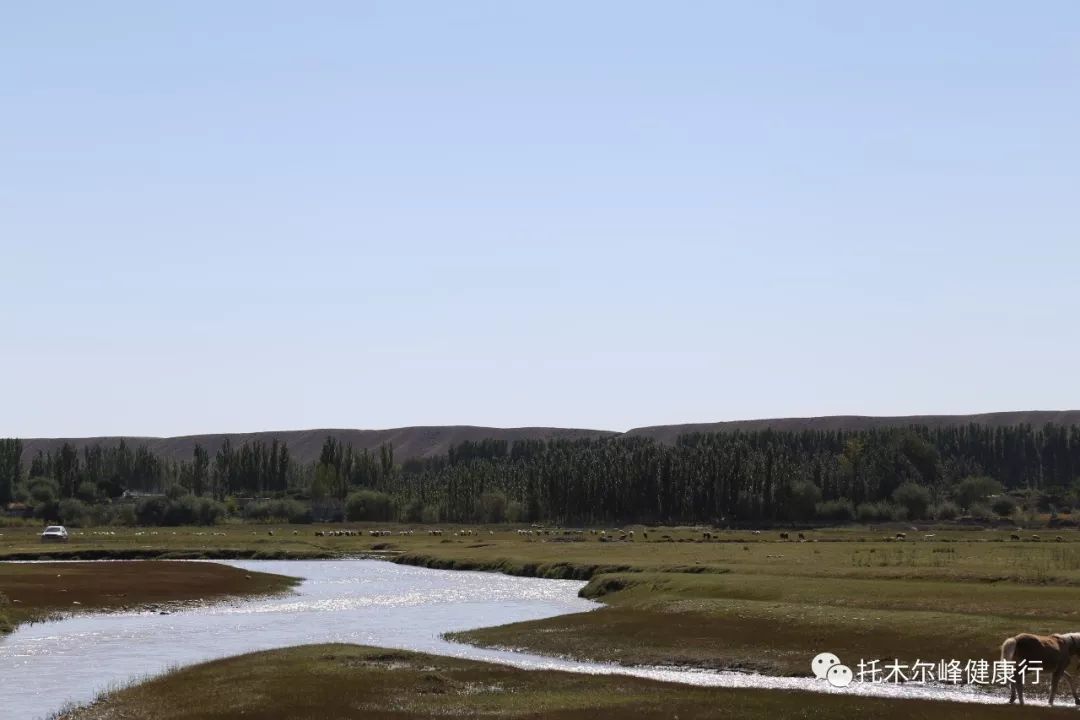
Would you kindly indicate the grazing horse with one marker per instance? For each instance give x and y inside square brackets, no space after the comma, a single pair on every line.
[1055,652]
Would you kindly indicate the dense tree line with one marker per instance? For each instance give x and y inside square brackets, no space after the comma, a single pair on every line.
[715,478]
[10,468]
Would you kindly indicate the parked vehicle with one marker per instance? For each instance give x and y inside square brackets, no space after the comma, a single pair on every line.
[55,533]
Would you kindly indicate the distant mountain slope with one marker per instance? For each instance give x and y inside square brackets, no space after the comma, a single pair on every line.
[668,433]
[304,445]
[413,442]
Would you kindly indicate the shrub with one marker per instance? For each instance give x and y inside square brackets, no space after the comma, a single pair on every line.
[191,510]
[914,497]
[945,510]
[182,509]
[125,515]
[211,512]
[38,490]
[175,492]
[838,511]
[327,509]
[102,514]
[975,489]
[879,512]
[369,505]
[292,511]
[1003,506]
[151,510]
[74,512]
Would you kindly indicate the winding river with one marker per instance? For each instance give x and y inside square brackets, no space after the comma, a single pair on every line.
[369,602]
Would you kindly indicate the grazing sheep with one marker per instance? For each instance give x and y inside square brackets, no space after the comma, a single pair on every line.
[1059,539]
[318,533]
[901,536]
[801,536]
[1014,536]
[757,532]
[270,533]
[1035,538]
[785,536]
[931,536]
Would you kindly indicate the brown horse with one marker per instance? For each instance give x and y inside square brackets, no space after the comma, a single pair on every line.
[1054,652]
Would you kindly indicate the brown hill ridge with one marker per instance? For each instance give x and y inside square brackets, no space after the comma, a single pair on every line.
[1036,418]
[428,441]
[304,445]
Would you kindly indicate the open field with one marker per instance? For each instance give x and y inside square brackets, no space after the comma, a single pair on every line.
[349,681]
[35,591]
[743,600]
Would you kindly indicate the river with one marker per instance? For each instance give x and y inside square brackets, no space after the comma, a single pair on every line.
[368,602]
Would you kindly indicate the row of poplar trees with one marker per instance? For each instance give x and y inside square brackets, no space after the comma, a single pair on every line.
[716,477]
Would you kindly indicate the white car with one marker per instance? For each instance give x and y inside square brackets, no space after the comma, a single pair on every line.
[55,533]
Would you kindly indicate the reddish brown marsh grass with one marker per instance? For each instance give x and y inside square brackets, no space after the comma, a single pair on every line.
[37,589]
[347,681]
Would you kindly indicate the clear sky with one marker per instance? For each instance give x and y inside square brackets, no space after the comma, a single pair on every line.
[274,215]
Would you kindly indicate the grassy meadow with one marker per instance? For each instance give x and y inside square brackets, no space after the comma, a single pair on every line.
[672,596]
[316,682]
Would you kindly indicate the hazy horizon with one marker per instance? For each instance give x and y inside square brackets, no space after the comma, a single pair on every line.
[604,216]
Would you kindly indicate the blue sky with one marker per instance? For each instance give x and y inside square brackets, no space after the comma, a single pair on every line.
[268,215]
